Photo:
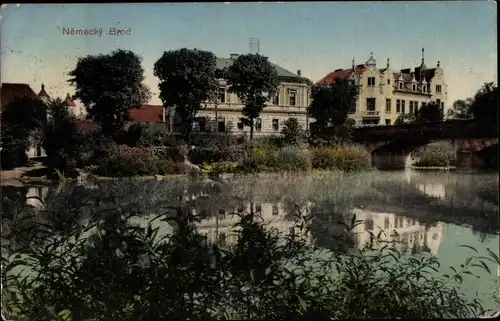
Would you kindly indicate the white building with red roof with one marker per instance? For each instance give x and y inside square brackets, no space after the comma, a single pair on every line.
[386,93]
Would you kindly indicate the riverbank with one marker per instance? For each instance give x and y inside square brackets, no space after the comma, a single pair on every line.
[443,168]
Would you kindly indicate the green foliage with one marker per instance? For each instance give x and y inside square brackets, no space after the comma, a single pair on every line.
[484,106]
[112,269]
[62,140]
[223,153]
[253,78]
[187,80]
[292,132]
[22,120]
[109,85]
[124,161]
[145,135]
[435,155]
[221,167]
[461,109]
[343,159]
[432,112]
[284,159]
[330,107]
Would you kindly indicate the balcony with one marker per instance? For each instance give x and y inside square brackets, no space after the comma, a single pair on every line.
[371,114]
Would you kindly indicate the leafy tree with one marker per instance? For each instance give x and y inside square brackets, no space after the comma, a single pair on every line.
[330,107]
[253,78]
[432,112]
[22,119]
[484,106]
[62,140]
[461,109]
[109,85]
[292,132]
[187,80]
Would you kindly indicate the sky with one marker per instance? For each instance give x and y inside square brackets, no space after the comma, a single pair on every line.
[314,37]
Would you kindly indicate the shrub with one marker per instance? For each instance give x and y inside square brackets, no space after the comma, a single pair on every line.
[435,155]
[336,158]
[214,155]
[223,167]
[292,159]
[145,135]
[175,154]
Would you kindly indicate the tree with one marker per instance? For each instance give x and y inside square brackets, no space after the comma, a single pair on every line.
[432,112]
[109,85]
[253,78]
[62,140]
[187,80]
[484,106]
[330,107]
[405,119]
[22,119]
[461,109]
[292,132]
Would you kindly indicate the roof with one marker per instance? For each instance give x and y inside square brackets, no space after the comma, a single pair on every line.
[342,74]
[407,77]
[147,113]
[282,72]
[43,93]
[86,125]
[10,91]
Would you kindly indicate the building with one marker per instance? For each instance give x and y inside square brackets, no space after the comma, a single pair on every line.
[385,93]
[290,101]
[76,110]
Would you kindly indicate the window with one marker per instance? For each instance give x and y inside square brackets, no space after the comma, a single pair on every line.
[202,123]
[387,224]
[415,105]
[411,107]
[402,106]
[292,96]
[276,125]
[414,87]
[370,104]
[387,105]
[240,125]
[434,236]
[387,122]
[276,98]
[258,208]
[438,88]
[424,88]
[369,225]
[388,81]
[222,239]
[222,95]
[400,85]
[398,106]
[423,105]
[371,81]
[258,124]
[222,125]
[438,102]
[275,209]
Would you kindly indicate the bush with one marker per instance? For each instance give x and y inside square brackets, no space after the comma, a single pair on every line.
[285,159]
[435,155]
[125,272]
[220,168]
[215,155]
[336,158]
[175,154]
[145,135]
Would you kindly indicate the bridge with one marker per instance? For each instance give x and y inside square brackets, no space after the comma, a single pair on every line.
[476,144]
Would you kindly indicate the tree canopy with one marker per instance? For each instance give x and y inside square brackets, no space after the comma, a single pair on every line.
[330,106]
[254,79]
[108,86]
[484,106]
[432,112]
[461,109]
[187,80]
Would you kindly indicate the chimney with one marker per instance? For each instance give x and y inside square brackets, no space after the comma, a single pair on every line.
[234,56]
[299,72]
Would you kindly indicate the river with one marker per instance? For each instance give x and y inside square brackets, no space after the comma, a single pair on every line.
[431,211]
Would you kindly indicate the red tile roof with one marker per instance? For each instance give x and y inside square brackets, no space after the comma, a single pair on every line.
[343,74]
[147,114]
[86,126]
[10,91]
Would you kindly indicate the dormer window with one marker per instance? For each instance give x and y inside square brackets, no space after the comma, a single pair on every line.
[424,88]
[400,85]
[414,87]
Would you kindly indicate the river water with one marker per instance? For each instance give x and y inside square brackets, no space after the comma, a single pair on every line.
[431,211]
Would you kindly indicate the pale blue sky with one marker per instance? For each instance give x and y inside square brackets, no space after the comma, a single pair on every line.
[313,37]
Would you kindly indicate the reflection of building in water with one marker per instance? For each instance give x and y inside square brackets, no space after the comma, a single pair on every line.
[35,196]
[435,190]
[411,234]
[219,228]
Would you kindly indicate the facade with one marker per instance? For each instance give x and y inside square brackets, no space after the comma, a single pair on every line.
[291,101]
[385,94]
[76,110]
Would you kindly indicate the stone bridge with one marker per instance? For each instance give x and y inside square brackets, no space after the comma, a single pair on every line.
[476,145]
